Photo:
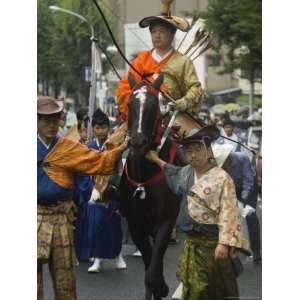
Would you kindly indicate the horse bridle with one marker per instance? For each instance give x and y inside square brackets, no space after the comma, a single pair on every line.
[156,127]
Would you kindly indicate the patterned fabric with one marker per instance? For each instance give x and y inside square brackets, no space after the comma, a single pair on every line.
[180,79]
[203,277]
[55,247]
[68,157]
[49,220]
[212,200]
[180,180]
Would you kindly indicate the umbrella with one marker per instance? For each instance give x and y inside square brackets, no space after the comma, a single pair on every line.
[232,107]
[218,109]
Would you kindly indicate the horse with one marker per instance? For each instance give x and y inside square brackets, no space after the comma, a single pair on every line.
[150,207]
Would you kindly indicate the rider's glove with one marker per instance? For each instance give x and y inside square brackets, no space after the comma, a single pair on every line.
[179,104]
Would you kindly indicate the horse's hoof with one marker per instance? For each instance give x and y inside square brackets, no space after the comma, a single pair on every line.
[162,291]
[165,291]
[156,284]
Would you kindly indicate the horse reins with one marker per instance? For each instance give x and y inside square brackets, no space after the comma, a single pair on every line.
[157,177]
[243,145]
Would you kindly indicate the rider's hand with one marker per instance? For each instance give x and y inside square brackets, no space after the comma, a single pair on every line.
[180,105]
[221,251]
[152,156]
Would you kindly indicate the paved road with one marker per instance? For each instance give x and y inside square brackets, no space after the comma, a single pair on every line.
[111,284]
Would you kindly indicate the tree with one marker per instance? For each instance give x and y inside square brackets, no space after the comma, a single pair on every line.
[236,26]
[64,46]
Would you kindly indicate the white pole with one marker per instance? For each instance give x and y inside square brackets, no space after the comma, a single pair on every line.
[94,53]
[92,95]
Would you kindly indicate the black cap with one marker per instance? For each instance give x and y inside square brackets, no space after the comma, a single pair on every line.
[100,118]
[208,134]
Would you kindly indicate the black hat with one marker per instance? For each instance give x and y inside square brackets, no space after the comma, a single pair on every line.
[208,133]
[100,118]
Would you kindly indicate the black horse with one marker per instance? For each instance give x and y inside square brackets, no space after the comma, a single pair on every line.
[148,204]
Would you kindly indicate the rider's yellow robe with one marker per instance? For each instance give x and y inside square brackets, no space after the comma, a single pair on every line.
[180,79]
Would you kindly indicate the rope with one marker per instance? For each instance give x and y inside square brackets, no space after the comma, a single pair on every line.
[109,60]
[243,145]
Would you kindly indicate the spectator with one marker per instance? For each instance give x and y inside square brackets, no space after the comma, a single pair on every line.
[71,118]
[62,125]
[228,132]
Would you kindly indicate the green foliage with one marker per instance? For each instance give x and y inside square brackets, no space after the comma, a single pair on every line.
[243,100]
[236,24]
[64,46]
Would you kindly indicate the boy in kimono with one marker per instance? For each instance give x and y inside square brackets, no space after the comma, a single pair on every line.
[103,219]
[209,216]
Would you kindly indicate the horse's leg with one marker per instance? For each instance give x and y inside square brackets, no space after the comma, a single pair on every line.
[145,247]
[141,240]
[148,295]
[154,275]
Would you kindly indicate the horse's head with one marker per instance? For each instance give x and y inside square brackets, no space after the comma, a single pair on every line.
[143,113]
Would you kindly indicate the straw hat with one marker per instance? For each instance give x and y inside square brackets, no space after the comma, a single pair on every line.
[48,105]
[165,16]
[221,152]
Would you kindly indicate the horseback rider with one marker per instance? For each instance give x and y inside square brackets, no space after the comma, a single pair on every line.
[180,81]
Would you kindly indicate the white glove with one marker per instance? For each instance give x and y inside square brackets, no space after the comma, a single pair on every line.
[95,196]
[248,210]
[240,205]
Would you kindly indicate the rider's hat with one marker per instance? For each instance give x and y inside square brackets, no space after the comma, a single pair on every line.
[166,17]
[48,105]
[207,133]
